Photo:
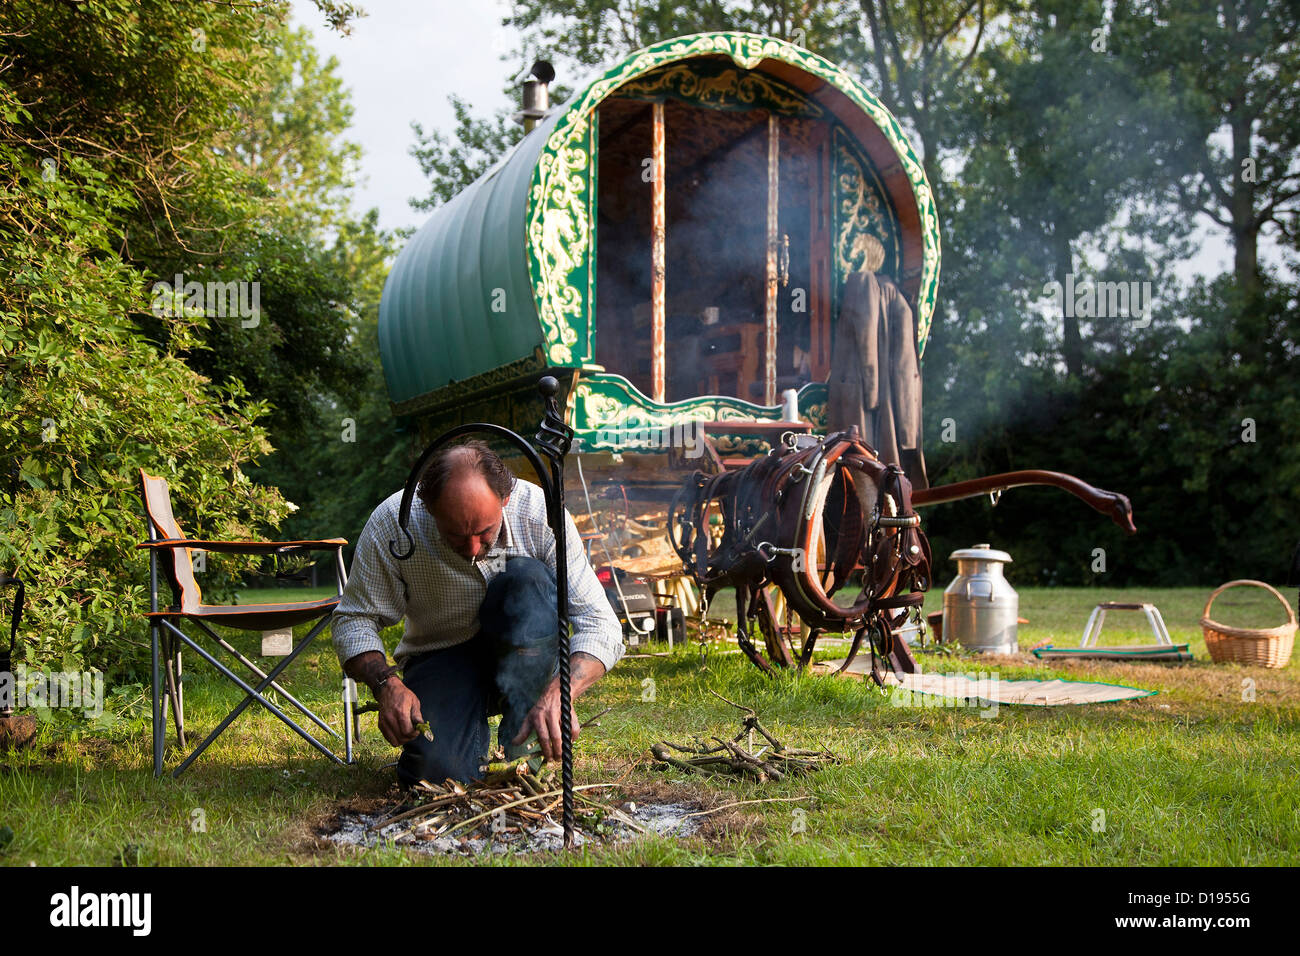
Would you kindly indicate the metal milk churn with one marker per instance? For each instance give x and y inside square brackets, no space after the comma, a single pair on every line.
[980,608]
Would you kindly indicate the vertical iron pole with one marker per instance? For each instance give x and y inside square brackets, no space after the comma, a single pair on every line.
[554,439]
[658,260]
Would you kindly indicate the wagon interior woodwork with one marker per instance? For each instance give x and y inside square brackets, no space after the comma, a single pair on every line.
[746,249]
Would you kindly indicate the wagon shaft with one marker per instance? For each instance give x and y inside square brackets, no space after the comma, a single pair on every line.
[1110,503]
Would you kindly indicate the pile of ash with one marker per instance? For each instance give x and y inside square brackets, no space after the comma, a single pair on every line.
[513,811]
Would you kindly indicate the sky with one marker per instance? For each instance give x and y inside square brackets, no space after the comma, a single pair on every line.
[403,60]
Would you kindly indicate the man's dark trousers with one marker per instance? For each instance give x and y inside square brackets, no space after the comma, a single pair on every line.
[501,670]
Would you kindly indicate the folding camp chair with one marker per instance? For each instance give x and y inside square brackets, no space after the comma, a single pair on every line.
[168,543]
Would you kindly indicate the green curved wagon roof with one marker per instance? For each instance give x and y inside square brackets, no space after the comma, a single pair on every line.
[504,272]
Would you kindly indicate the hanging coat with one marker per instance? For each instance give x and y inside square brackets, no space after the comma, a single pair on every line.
[884,400]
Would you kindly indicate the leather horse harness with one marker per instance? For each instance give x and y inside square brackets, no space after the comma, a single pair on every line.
[807,517]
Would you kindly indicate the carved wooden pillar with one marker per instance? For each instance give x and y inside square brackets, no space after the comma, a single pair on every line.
[657,264]
[773,210]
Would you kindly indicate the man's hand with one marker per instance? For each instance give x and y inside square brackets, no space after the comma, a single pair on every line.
[399,712]
[399,708]
[544,718]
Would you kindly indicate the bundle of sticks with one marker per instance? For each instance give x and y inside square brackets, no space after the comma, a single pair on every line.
[771,761]
[510,801]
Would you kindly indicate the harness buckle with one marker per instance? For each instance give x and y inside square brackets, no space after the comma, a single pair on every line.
[769,552]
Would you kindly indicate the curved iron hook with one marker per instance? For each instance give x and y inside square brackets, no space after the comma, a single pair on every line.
[413,479]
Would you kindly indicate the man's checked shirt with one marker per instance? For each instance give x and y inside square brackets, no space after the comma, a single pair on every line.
[439,592]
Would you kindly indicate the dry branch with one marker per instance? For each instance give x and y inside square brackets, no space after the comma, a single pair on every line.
[762,765]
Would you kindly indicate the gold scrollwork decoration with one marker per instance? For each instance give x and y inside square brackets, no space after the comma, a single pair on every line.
[726,89]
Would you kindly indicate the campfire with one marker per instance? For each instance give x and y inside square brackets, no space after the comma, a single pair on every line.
[512,809]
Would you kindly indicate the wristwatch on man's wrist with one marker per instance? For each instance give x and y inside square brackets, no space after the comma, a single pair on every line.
[379,685]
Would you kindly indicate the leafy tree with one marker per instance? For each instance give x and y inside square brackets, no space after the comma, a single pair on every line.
[291,138]
[1066,137]
[88,402]
[917,58]
[1074,149]
[335,472]
[1197,424]
[453,162]
[1235,68]
[139,89]
[590,34]
[114,170]
[339,14]
[276,192]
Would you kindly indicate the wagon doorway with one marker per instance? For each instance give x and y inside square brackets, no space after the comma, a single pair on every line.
[713,249]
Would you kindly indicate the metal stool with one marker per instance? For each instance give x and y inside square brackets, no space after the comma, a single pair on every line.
[1092,630]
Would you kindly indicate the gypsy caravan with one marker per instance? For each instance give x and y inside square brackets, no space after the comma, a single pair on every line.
[720,245]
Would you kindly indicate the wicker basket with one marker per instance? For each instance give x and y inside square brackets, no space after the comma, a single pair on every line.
[1261,646]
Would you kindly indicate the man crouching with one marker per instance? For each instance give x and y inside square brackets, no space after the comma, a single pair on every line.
[482,636]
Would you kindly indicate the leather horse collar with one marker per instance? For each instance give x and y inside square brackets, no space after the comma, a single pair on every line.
[808,517]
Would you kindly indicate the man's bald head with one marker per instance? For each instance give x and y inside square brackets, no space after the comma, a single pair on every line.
[462,460]
[465,487]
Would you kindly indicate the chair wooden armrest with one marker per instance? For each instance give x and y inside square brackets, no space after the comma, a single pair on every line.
[246,547]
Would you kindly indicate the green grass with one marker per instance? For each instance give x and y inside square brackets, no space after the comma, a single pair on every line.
[1193,775]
